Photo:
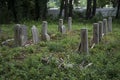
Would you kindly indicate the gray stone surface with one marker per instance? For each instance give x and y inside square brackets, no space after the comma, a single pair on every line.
[69,23]
[105,26]
[20,35]
[24,35]
[100,30]
[96,33]
[61,27]
[110,24]
[17,35]
[35,34]
[45,35]
[84,41]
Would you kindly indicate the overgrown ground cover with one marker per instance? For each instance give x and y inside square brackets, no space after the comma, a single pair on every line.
[59,59]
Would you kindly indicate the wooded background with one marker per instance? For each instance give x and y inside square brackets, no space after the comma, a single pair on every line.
[17,10]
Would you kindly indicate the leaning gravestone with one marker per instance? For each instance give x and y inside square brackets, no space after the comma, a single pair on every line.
[20,35]
[105,26]
[35,35]
[69,23]
[61,27]
[45,35]
[110,24]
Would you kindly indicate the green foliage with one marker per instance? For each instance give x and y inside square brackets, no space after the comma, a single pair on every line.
[56,47]
[58,59]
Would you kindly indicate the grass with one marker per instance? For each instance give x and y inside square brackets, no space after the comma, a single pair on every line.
[58,59]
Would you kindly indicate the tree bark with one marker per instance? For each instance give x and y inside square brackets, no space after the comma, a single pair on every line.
[70,8]
[11,6]
[66,10]
[44,17]
[61,8]
[94,8]
[114,2]
[37,10]
[88,11]
[118,9]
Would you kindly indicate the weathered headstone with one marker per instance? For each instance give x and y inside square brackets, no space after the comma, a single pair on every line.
[45,35]
[35,35]
[84,41]
[96,33]
[17,35]
[20,35]
[105,26]
[110,24]
[100,30]
[61,27]
[0,30]
[69,23]
[23,35]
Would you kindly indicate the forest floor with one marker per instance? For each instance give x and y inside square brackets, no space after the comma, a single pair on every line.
[58,59]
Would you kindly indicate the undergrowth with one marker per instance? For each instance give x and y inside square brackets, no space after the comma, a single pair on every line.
[59,59]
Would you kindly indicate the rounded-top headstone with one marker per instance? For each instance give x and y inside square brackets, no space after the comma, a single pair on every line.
[45,35]
[35,34]
[60,22]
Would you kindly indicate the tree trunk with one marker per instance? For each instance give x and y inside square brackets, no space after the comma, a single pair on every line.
[44,17]
[88,11]
[118,9]
[114,2]
[66,10]
[11,6]
[61,8]
[70,8]
[37,10]
[94,8]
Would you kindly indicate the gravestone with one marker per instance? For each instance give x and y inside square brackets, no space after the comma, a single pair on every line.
[45,35]
[20,35]
[61,27]
[17,35]
[35,35]
[84,41]
[105,26]
[110,24]
[100,30]
[0,30]
[69,23]
[96,33]
[23,35]
[0,33]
